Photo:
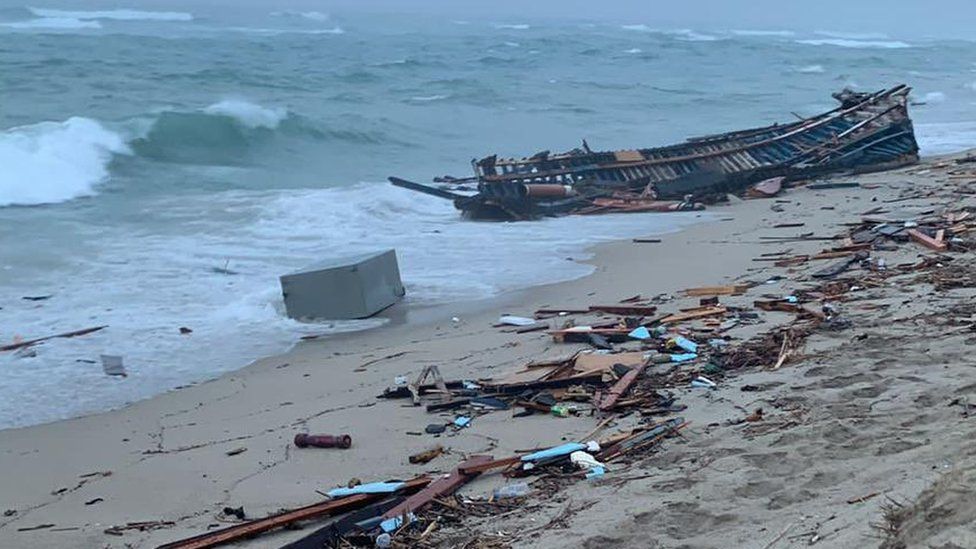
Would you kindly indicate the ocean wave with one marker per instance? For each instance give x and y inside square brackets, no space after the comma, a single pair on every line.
[219,134]
[428,98]
[275,31]
[852,35]
[53,162]
[43,23]
[117,15]
[310,15]
[633,50]
[779,33]
[249,114]
[688,35]
[934,97]
[810,69]
[512,26]
[851,43]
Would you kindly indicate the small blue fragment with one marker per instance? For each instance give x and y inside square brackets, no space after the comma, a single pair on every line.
[640,333]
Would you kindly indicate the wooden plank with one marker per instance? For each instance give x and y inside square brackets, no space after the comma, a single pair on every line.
[734,289]
[704,312]
[923,239]
[30,342]
[259,526]
[611,397]
[635,310]
[489,465]
[439,488]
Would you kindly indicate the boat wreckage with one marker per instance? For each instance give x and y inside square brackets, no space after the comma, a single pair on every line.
[867,132]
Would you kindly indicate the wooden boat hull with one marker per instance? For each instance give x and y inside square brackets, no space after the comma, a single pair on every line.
[867,132]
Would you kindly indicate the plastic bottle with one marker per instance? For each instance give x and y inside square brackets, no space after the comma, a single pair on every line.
[512,490]
[384,540]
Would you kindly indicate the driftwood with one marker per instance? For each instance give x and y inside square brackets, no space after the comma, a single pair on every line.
[28,343]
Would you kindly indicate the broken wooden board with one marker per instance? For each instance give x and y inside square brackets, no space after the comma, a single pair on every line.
[702,312]
[735,289]
[919,237]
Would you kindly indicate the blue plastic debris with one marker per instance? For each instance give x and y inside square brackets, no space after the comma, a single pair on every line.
[561,450]
[791,299]
[683,357]
[640,333]
[462,421]
[391,524]
[686,344]
[368,488]
[595,472]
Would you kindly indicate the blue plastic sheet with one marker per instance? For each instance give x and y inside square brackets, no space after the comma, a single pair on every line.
[561,450]
[368,488]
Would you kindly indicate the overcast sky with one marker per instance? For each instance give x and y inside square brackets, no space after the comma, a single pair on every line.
[956,18]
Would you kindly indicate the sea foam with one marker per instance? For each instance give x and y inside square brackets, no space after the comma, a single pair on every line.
[118,15]
[248,114]
[850,43]
[55,161]
[46,23]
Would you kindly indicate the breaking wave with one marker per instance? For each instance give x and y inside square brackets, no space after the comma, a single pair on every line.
[52,162]
[310,15]
[510,26]
[681,34]
[50,23]
[118,15]
[219,134]
[851,43]
[810,69]
[780,33]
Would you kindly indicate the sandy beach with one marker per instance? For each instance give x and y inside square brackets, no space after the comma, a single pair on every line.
[865,430]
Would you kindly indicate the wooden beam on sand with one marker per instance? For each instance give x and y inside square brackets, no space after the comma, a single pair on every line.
[606,401]
[938,244]
[692,315]
[735,289]
[443,486]
[260,526]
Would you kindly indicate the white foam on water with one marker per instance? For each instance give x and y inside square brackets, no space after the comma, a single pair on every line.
[512,26]
[934,97]
[249,114]
[55,161]
[428,98]
[275,31]
[849,43]
[45,23]
[810,69]
[852,35]
[688,35]
[764,33]
[146,286]
[633,50]
[310,15]
[117,15]
[946,137]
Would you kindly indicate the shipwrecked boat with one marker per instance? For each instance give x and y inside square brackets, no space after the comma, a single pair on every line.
[867,132]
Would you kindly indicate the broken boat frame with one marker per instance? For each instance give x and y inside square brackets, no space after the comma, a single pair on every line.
[867,132]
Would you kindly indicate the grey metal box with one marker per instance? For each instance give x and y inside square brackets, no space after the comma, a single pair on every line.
[348,287]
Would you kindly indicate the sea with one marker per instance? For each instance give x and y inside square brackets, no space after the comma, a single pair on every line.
[160,170]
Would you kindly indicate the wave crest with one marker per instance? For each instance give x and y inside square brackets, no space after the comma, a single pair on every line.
[63,23]
[118,15]
[53,162]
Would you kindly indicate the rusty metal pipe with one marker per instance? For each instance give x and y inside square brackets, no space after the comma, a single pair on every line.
[304,440]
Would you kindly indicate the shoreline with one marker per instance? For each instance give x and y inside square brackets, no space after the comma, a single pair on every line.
[181,446]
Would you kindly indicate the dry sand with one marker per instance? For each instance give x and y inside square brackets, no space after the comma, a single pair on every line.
[866,411]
